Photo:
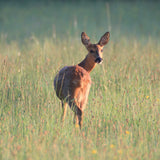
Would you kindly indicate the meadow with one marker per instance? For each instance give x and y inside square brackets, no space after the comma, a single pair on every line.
[122,117]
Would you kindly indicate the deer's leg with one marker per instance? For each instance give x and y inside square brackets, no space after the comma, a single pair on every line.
[80,117]
[78,113]
[75,119]
[64,110]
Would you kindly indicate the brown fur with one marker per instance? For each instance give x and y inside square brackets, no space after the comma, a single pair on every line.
[72,83]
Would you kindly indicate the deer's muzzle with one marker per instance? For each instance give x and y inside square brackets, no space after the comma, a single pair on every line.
[99,60]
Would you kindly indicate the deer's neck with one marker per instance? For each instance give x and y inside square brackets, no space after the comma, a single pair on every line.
[88,64]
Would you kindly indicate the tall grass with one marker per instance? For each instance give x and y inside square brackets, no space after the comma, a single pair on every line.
[122,118]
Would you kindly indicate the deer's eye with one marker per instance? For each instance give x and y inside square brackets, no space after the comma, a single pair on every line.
[91,51]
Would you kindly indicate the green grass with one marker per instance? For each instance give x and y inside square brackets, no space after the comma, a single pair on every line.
[122,118]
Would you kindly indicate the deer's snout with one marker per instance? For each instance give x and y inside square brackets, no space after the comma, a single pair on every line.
[98,60]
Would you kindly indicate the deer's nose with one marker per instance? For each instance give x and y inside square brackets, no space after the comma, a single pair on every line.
[98,60]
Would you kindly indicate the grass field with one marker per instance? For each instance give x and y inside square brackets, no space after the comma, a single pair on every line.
[122,118]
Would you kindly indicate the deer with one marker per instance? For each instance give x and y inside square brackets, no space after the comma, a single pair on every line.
[72,83]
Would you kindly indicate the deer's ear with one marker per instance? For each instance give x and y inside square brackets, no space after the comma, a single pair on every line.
[85,39]
[104,39]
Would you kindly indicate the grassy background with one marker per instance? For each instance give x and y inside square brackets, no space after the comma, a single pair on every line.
[122,118]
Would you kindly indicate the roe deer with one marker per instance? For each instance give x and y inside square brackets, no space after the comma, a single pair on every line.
[72,83]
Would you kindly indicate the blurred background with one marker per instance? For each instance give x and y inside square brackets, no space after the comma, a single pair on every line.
[122,117]
[20,19]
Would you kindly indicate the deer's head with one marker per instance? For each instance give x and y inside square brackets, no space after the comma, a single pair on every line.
[95,51]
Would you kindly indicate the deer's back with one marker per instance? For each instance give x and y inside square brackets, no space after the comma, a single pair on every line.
[73,82]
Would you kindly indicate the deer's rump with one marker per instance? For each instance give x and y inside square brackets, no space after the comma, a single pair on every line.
[72,83]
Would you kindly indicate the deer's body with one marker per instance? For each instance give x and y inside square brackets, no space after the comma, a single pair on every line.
[72,83]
